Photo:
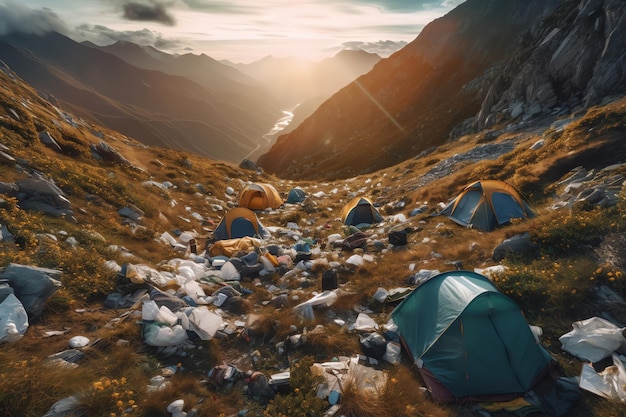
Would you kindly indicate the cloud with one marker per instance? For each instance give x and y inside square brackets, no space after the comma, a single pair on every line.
[148,12]
[452,3]
[15,17]
[221,7]
[382,48]
[102,35]
[408,6]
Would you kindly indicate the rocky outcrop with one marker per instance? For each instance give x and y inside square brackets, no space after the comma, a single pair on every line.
[39,194]
[572,60]
[104,152]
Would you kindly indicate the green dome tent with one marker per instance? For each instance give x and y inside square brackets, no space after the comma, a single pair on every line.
[486,205]
[469,341]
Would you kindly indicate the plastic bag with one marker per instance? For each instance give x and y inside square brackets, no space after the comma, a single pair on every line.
[161,335]
[609,383]
[392,353]
[149,310]
[13,319]
[593,339]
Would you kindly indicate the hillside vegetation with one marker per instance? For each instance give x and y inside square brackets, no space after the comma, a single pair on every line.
[581,249]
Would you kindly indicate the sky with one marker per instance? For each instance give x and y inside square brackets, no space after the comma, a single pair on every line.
[241,31]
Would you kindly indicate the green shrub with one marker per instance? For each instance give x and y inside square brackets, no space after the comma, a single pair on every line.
[302,401]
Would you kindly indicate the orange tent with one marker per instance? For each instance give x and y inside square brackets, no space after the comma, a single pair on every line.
[259,196]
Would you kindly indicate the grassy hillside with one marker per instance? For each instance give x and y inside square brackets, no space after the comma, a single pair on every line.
[581,247]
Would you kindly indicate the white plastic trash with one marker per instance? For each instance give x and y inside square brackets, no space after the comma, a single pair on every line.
[193,290]
[381,295]
[537,332]
[149,310]
[392,353]
[333,237]
[165,315]
[229,272]
[356,260]
[159,335]
[176,406]
[593,339]
[219,300]
[218,263]
[204,322]
[609,383]
[185,237]
[325,299]
[13,319]
[77,342]
[186,272]
[365,323]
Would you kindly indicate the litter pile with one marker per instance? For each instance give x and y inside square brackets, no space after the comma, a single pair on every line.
[207,293]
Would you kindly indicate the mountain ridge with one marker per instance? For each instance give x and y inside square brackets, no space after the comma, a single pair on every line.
[446,76]
[157,108]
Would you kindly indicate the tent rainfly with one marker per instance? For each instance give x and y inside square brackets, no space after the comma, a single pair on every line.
[468,340]
[360,210]
[486,205]
[259,196]
[240,222]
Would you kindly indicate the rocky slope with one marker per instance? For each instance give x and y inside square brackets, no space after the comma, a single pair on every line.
[572,60]
[221,117]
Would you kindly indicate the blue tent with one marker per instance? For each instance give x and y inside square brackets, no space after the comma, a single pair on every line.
[296,195]
[240,222]
[469,340]
[486,205]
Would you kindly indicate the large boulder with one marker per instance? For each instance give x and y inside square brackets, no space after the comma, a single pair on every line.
[32,285]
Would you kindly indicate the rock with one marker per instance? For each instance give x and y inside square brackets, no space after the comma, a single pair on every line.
[517,245]
[102,151]
[259,388]
[6,159]
[43,195]
[32,285]
[578,53]
[68,406]
[249,165]
[46,138]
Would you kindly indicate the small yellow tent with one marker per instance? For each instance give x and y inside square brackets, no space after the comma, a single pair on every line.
[239,222]
[360,210]
[259,196]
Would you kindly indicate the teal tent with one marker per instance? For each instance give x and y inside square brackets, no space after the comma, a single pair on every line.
[296,195]
[469,341]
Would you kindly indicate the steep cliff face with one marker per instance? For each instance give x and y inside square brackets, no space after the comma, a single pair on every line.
[410,101]
[574,59]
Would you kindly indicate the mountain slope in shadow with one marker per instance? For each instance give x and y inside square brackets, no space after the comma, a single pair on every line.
[410,101]
[155,108]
